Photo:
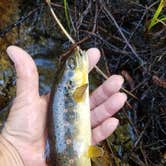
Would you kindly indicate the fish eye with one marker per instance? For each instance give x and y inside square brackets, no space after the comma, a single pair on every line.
[71,63]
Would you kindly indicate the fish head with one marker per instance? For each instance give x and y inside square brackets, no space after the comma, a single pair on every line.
[78,63]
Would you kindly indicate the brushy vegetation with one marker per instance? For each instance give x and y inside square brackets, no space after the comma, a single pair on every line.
[119,29]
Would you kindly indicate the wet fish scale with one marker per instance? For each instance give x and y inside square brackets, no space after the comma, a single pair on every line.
[69,133]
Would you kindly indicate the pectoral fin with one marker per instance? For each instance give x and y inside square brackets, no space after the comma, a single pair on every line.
[95,151]
[79,92]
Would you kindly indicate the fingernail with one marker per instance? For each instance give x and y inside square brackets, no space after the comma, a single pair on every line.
[94,51]
[113,123]
[124,96]
[11,54]
[121,79]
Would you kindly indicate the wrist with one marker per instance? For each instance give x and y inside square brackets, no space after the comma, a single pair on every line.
[30,153]
[9,154]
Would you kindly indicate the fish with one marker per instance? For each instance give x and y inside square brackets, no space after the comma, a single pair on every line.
[68,122]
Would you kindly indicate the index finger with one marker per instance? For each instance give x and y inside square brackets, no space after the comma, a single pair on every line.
[94,56]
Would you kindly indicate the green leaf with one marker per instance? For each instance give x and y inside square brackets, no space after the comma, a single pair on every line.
[154,21]
[66,13]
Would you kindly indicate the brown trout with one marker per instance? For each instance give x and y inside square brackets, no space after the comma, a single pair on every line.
[69,129]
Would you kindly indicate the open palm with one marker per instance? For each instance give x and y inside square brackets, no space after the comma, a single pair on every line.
[25,127]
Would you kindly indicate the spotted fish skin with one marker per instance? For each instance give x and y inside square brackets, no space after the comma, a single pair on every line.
[69,131]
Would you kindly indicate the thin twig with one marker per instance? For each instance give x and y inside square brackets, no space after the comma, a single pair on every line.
[19,21]
[59,23]
[107,44]
[85,12]
[95,18]
[106,77]
[121,33]
[137,26]
[72,40]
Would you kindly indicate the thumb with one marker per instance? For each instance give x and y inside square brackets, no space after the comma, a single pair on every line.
[26,71]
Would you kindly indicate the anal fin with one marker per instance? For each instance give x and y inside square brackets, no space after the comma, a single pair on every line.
[95,151]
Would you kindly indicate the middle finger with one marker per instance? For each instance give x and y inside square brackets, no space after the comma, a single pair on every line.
[107,89]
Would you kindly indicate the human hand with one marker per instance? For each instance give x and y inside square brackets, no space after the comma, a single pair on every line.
[25,127]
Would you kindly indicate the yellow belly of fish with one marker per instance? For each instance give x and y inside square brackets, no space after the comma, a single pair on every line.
[84,132]
[83,109]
